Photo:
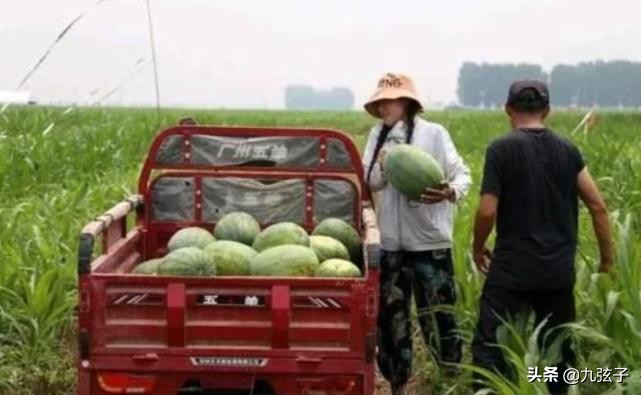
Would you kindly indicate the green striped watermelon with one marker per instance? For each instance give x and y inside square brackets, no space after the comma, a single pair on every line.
[410,170]
[281,234]
[237,226]
[232,258]
[327,247]
[188,261]
[285,261]
[337,268]
[190,237]
[343,232]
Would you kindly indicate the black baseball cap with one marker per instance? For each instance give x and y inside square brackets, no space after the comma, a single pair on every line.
[518,87]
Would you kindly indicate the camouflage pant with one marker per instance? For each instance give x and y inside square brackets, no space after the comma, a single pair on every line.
[429,275]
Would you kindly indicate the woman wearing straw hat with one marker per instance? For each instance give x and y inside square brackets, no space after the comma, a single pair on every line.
[416,236]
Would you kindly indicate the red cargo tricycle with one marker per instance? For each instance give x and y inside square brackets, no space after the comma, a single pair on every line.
[229,335]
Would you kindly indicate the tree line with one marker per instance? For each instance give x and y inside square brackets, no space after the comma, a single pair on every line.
[607,84]
[305,97]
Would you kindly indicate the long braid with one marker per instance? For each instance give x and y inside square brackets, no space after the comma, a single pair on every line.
[382,136]
[412,110]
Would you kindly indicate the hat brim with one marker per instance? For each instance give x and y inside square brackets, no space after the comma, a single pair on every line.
[389,94]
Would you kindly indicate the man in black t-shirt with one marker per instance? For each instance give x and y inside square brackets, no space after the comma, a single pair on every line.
[531,184]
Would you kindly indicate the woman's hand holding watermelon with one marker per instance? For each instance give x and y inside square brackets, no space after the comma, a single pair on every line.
[437,195]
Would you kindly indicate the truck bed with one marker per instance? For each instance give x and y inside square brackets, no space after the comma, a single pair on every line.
[253,335]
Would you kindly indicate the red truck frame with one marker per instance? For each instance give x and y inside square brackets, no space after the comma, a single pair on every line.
[224,335]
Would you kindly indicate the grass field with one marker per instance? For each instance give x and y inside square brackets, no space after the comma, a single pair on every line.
[60,168]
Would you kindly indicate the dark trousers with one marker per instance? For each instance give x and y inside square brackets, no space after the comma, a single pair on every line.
[555,305]
[429,276]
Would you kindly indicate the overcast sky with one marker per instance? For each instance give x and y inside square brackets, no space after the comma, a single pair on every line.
[241,53]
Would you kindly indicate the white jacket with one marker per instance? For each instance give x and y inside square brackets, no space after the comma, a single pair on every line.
[408,225]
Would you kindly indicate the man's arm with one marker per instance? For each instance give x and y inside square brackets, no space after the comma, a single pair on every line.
[486,213]
[589,194]
[483,224]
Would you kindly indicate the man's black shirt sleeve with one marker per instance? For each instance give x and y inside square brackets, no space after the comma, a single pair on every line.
[491,173]
[578,158]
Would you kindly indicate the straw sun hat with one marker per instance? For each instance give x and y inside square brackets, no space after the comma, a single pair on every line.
[392,86]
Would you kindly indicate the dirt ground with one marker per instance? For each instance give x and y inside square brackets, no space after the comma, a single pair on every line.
[383,388]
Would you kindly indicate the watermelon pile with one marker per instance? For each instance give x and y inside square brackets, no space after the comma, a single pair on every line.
[238,247]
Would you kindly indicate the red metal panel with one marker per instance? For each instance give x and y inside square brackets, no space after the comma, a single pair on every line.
[133,334]
[275,365]
[309,203]
[198,199]
[128,264]
[357,321]
[313,284]
[314,336]
[176,314]
[121,250]
[84,381]
[229,313]
[113,233]
[99,304]
[280,303]
[84,301]
[240,333]
[186,149]
[236,350]
[138,311]
[323,151]
[288,384]
[314,315]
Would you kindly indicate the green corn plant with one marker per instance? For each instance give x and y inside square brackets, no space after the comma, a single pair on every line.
[59,168]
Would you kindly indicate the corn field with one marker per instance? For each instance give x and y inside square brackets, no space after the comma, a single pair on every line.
[60,168]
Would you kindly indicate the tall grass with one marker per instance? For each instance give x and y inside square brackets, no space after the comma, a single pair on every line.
[58,169]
